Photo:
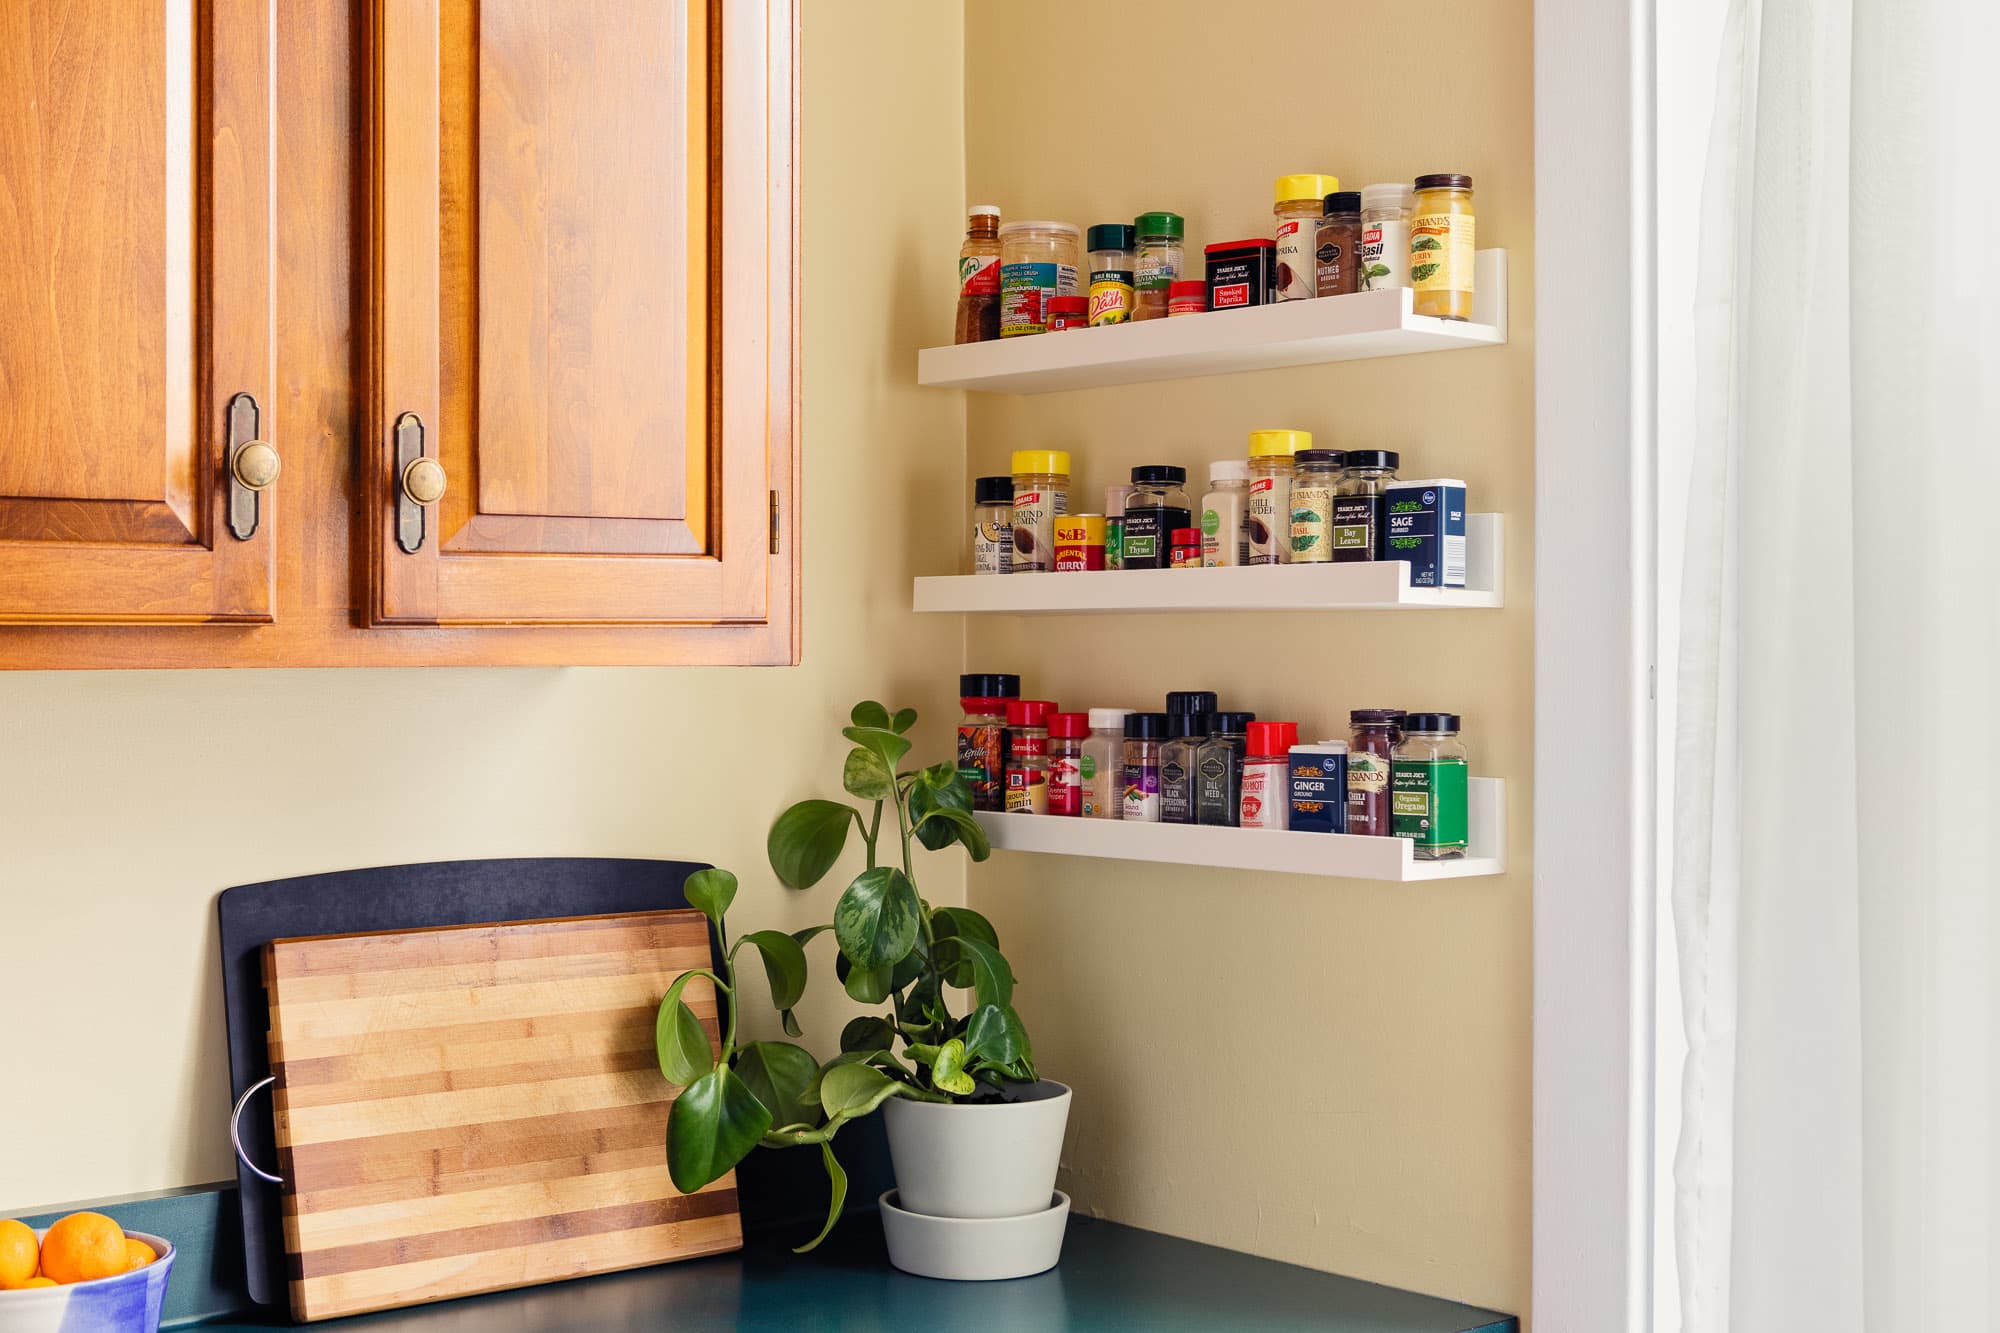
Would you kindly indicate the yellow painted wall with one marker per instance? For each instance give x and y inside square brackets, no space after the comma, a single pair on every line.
[129,800]
[1333,1073]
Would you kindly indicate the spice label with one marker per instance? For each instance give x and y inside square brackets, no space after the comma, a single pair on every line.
[1385,256]
[1025,290]
[1428,801]
[1312,523]
[1216,800]
[1114,543]
[1066,785]
[1034,529]
[1353,528]
[1265,804]
[1159,267]
[992,547]
[1149,536]
[1110,297]
[1425,525]
[1142,792]
[1297,238]
[1331,262]
[1267,520]
[979,764]
[1319,791]
[1367,782]
[1441,249]
[1176,793]
[979,275]
[1027,792]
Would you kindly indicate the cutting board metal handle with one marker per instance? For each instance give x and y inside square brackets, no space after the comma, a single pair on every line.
[236,1130]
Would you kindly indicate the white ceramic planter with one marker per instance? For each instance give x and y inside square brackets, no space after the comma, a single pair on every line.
[983,1249]
[994,1159]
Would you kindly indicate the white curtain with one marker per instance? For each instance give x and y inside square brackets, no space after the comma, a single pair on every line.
[1836,822]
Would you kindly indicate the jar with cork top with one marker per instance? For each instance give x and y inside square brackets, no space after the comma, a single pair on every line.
[1267,516]
[1041,496]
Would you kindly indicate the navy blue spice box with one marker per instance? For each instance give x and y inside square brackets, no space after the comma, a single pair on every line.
[1319,787]
[1423,522]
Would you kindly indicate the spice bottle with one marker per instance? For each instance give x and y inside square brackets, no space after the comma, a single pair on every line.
[1267,763]
[1041,495]
[1079,543]
[1186,552]
[992,525]
[1297,202]
[1336,272]
[1028,756]
[1316,478]
[1187,297]
[1110,273]
[1160,256]
[1371,746]
[1223,542]
[1191,701]
[1143,734]
[979,277]
[1218,770]
[1319,787]
[1427,787]
[1267,514]
[1240,273]
[1104,764]
[1442,246]
[1357,508]
[1385,237]
[981,736]
[1157,506]
[1038,260]
[1066,736]
[1114,524]
[1068,312]
[1185,733]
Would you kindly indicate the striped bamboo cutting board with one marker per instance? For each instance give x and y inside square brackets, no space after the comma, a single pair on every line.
[478,1107]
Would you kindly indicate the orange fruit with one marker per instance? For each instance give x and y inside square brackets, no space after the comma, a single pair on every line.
[19,1254]
[82,1248]
[137,1254]
[37,1282]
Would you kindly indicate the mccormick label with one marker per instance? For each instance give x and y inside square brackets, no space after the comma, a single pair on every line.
[1034,530]
[979,275]
[1066,785]
[1423,522]
[1027,792]
[1319,788]
[1110,297]
[1427,802]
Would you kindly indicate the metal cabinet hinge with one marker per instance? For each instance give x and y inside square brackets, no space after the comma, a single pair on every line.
[774,522]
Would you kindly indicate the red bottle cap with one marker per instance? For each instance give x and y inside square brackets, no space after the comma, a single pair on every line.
[1069,726]
[1069,305]
[1187,536]
[1181,288]
[1268,738]
[1035,712]
[1254,243]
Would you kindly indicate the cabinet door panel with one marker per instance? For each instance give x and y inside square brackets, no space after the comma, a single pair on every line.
[122,126]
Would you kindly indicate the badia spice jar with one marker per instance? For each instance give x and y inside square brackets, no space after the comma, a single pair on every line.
[992,524]
[1028,756]
[1370,747]
[1159,267]
[1336,272]
[1110,273]
[1385,237]
[1067,732]
[1267,515]
[1158,505]
[1442,246]
[1297,203]
[1427,787]
[1038,261]
[981,735]
[1041,496]
[1316,478]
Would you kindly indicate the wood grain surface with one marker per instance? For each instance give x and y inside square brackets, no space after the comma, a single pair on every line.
[478,1107]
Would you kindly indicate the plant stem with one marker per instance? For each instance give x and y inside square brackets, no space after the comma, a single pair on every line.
[874,829]
[728,966]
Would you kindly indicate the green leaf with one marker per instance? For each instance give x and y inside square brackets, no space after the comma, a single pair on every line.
[992,979]
[782,1076]
[715,1122]
[1427,243]
[868,713]
[881,740]
[836,1179]
[807,840]
[678,1039]
[960,827]
[877,918]
[1376,271]
[849,1091]
[933,792]
[790,1021]
[870,985]
[867,1033]
[1423,272]
[994,1035]
[711,891]
[949,921]
[948,1073]
[866,776]
[784,964]
[905,719]
[810,933]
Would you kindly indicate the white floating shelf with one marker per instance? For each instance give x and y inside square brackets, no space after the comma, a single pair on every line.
[1290,333]
[1376,585]
[1336,855]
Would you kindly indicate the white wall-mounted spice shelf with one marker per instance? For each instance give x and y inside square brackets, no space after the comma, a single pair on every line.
[1377,585]
[1221,342]
[1335,855]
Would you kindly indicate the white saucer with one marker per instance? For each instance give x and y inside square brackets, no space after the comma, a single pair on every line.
[974,1249]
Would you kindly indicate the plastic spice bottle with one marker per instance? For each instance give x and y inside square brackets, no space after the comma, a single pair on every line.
[1103,764]
[1218,770]
[1028,756]
[1186,551]
[1114,524]
[1385,237]
[1160,257]
[1158,504]
[979,277]
[1316,478]
[1371,746]
[1427,787]
[1068,312]
[1267,768]
[1223,543]
[992,525]
[1038,260]
[1297,202]
[1110,273]
[1267,514]
[1442,244]
[1066,737]
[1185,733]
[1143,734]
[1041,495]
[1357,508]
[1187,297]
[1336,271]
[982,735]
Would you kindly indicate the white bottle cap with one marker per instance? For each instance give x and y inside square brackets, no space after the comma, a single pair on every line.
[984,211]
[1229,469]
[1101,718]
[1393,194]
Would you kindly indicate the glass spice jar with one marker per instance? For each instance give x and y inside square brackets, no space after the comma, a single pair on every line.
[1185,733]
[1041,495]
[1427,787]
[1143,734]
[1442,242]
[1103,764]
[992,525]
[1267,509]
[979,277]
[1038,262]
[1159,266]
[1218,770]
[1115,496]
[1297,202]
[982,735]
[1336,271]
[1371,746]
[1316,478]
[1158,505]
[1357,508]
[1110,273]
[1067,732]
[1028,756]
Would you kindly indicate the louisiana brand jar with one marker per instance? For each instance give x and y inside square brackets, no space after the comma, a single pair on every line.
[1297,202]
[1371,746]
[982,735]
[1316,477]
[1038,261]
[1041,496]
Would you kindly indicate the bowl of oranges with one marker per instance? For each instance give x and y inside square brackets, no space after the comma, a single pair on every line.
[85,1271]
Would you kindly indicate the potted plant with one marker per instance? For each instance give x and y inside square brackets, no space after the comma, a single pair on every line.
[974,1133]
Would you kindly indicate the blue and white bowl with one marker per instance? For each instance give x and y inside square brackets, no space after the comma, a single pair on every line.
[127,1303]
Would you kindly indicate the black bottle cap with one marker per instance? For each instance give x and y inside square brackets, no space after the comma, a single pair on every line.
[1234,723]
[1180,725]
[1444,180]
[1346,201]
[1387,458]
[1375,716]
[993,491]
[1160,474]
[1145,726]
[1336,457]
[1190,701]
[986,686]
[1430,722]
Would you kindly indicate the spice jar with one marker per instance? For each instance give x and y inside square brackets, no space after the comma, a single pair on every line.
[1191,701]
[1143,734]
[1104,764]
[1068,312]
[1157,506]
[1114,524]
[1371,745]
[1336,272]
[1318,790]
[981,735]
[1385,237]
[1297,202]
[979,277]
[1427,787]
[1066,736]
[1159,267]
[1110,273]
[1218,770]
[1041,495]
[1357,508]
[1038,261]
[992,524]
[1186,551]
[1267,508]
[1316,477]
[1028,756]
[1079,543]
[1267,764]
[1240,273]
[1188,297]
[1222,537]
[1185,733]
[1442,246]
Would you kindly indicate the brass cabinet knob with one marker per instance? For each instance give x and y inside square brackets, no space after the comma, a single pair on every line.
[423,481]
[255,465]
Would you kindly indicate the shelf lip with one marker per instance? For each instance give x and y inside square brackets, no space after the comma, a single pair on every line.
[1221,342]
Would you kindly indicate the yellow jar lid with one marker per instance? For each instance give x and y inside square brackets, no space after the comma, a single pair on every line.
[1279,443]
[1307,185]
[1041,460]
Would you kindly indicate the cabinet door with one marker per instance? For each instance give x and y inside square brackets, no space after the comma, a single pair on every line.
[135,310]
[560,188]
